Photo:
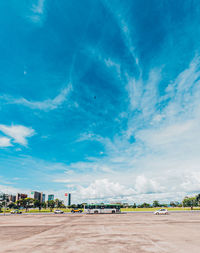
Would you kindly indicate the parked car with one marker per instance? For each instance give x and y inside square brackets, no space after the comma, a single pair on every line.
[161,211]
[58,211]
[16,212]
[76,210]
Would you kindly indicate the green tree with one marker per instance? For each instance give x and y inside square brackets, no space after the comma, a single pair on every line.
[51,204]
[172,203]
[145,205]
[134,205]
[80,206]
[72,206]
[163,205]
[25,203]
[44,205]
[29,203]
[190,202]
[21,203]
[58,203]
[12,205]
[37,203]
[198,199]
[156,203]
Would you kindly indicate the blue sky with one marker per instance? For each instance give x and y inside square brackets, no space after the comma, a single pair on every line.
[100,98]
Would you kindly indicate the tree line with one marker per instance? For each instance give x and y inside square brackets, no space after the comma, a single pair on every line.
[186,202]
[27,203]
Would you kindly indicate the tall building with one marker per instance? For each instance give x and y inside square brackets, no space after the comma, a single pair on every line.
[69,199]
[51,197]
[37,195]
[43,197]
[3,196]
[11,198]
[21,196]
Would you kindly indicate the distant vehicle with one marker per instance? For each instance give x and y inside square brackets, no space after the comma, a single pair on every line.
[76,210]
[161,211]
[102,208]
[58,211]
[16,212]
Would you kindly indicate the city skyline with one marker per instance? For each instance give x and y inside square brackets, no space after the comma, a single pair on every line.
[100,99]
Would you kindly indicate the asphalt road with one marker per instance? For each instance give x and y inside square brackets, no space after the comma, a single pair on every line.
[78,233]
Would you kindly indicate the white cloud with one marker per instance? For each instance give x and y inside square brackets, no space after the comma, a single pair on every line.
[113,64]
[145,185]
[120,15]
[161,163]
[46,105]
[5,142]
[103,188]
[39,7]
[168,135]
[165,148]
[134,88]
[37,12]
[18,133]
[33,11]
[143,94]
[142,189]
[62,180]
[191,182]
[11,190]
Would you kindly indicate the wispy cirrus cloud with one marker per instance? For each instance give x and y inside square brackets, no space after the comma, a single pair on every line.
[46,105]
[135,131]
[118,12]
[37,10]
[165,147]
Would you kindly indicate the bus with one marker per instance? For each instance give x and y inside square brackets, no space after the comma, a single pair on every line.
[102,208]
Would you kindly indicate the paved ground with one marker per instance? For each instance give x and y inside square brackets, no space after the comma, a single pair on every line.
[74,233]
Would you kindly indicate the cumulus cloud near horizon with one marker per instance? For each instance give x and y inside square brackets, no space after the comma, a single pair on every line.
[143,189]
